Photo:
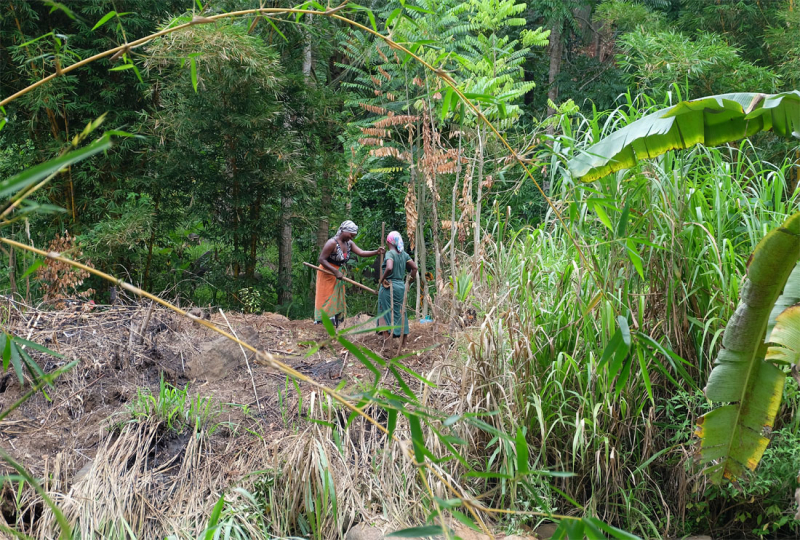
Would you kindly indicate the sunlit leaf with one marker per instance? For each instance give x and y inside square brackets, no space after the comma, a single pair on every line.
[107,17]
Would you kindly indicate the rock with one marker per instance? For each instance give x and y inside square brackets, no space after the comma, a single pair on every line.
[275,319]
[220,357]
[362,531]
[81,474]
[546,530]
[199,313]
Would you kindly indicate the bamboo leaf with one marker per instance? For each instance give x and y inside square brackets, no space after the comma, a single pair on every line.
[522,452]
[417,438]
[107,17]
[35,174]
[193,70]
[417,532]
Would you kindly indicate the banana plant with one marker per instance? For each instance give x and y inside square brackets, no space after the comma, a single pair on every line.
[764,333]
[746,372]
[711,121]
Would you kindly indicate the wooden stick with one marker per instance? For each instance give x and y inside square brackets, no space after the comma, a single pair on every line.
[347,279]
[383,244]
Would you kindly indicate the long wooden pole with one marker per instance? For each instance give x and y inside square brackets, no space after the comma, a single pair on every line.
[383,240]
[348,280]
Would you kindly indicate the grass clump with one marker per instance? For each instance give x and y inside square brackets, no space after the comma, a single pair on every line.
[173,407]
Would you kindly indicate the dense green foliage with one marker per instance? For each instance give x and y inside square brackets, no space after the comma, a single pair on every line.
[602,309]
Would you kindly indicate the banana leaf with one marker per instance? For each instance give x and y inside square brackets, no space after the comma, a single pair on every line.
[733,437]
[712,121]
[783,333]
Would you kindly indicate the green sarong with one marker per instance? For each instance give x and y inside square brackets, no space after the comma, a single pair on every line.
[392,297]
[386,297]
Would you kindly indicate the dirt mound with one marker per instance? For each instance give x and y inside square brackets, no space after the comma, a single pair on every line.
[221,357]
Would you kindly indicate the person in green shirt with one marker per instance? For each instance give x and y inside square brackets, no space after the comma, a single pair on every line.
[393,289]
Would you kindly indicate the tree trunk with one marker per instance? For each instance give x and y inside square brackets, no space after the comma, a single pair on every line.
[556,52]
[285,252]
[324,224]
[422,249]
[255,214]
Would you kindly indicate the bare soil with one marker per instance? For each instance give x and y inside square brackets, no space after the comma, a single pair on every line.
[117,361]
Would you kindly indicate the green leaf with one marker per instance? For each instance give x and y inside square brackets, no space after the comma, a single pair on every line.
[417,532]
[522,452]
[35,174]
[613,531]
[274,27]
[465,520]
[107,17]
[214,519]
[731,436]
[601,214]
[622,225]
[446,103]
[417,438]
[645,375]
[32,268]
[193,70]
[16,361]
[37,347]
[392,16]
[367,10]
[711,121]
[635,258]
[6,351]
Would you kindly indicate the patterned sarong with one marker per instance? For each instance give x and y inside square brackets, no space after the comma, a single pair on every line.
[329,297]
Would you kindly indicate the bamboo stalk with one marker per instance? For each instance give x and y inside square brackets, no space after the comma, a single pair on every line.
[347,279]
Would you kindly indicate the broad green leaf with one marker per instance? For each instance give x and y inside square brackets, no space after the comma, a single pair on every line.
[731,438]
[107,17]
[711,121]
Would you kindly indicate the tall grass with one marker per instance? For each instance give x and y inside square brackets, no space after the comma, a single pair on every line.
[669,242]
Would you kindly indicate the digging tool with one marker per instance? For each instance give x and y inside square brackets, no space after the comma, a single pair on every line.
[346,279]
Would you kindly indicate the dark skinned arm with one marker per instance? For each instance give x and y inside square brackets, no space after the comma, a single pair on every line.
[327,249]
[412,266]
[388,270]
[361,253]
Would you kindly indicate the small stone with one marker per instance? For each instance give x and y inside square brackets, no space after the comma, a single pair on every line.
[363,531]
